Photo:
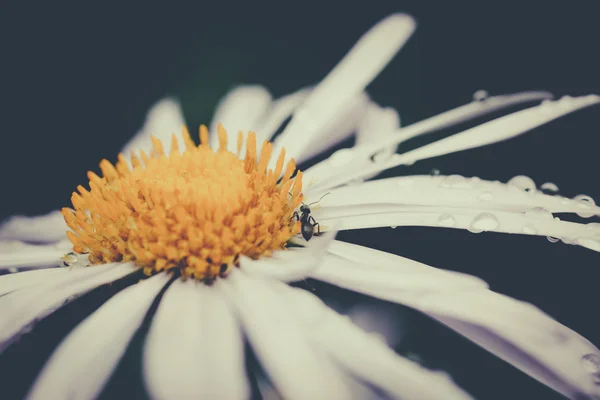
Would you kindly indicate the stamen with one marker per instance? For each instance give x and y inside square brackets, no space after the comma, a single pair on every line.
[195,212]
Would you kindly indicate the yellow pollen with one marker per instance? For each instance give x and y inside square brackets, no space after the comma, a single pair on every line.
[195,211]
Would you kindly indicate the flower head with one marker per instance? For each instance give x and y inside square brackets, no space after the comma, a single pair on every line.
[199,212]
[196,211]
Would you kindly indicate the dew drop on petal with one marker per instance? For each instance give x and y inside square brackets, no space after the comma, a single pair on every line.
[341,157]
[480,95]
[529,230]
[435,172]
[446,221]
[393,226]
[13,270]
[552,239]
[550,187]
[538,212]
[379,156]
[486,196]
[584,202]
[589,243]
[523,182]
[484,222]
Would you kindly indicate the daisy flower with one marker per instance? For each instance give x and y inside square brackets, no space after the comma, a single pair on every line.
[213,227]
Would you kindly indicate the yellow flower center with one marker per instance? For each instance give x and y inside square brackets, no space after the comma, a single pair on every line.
[195,211]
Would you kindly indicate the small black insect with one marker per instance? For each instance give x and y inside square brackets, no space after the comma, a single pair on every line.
[307,221]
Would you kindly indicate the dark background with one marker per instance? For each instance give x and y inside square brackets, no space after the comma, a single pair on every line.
[76,82]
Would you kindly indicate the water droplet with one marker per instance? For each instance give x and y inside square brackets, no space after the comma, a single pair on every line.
[435,172]
[393,226]
[456,181]
[591,363]
[484,222]
[486,196]
[13,270]
[446,220]
[538,212]
[480,95]
[553,239]
[529,230]
[584,202]
[379,156]
[523,182]
[589,243]
[341,157]
[550,187]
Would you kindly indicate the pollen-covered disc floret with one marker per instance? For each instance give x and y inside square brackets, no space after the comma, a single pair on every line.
[196,210]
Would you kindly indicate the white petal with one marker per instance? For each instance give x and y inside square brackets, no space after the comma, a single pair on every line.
[28,255]
[13,282]
[520,334]
[163,119]
[49,227]
[445,191]
[476,221]
[515,331]
[365,355]
[341,125]
[293,264]
[405,285]
[296,369]
[240,110]
[195,348]
[350,77]
[501,128]
[378,123]
[24,307]
[378,317]
[357,162]
[280,110]
[84,361]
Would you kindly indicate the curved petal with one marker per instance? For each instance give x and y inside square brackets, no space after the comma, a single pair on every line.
[341,125]
[446,191]
[353,73]
[23,255]
[473,220]
[281,109]
[358,162]
[13,282]
[25,306]
[49,227]
[194,348]
[93,349]
[365,355]
[164,118]
[376,124]
[515,331]
[292,264]
[240,110]
[296,369]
